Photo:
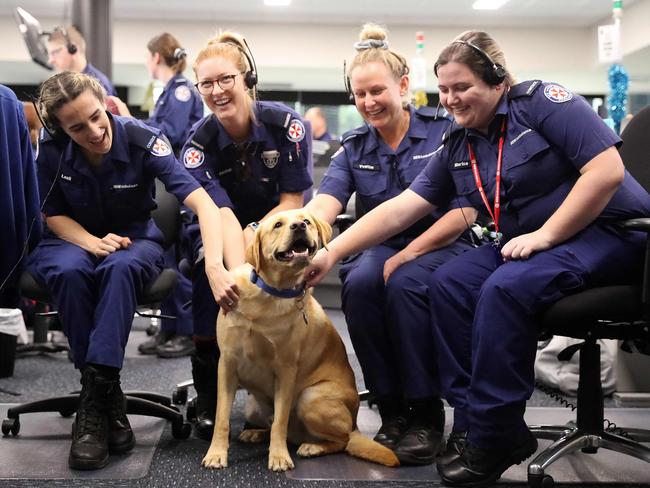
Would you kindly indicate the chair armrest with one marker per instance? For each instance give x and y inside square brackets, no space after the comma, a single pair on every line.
[343,222]
[641,224]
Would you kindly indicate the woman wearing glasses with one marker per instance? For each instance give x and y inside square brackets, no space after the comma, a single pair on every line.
[384,288]
[251,157]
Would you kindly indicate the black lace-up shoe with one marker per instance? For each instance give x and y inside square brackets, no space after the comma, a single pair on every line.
[120,434]
[176,347]
[423,439]
[476,467]
[455,445]
[391,431]
[204,374]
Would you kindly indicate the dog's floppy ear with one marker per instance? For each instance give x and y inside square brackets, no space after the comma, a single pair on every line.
[254,250]
[324,230]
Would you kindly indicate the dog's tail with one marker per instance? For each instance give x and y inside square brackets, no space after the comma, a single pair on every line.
[362,447]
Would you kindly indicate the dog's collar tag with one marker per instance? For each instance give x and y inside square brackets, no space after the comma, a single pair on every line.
[276,292]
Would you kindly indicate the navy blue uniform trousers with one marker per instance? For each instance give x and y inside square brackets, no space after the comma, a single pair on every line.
[389,323]
[96,297]
[485,314]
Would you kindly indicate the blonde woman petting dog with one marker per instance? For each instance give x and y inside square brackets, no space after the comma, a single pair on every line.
[251,157]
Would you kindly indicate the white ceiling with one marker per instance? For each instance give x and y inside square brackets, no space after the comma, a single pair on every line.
[579,13]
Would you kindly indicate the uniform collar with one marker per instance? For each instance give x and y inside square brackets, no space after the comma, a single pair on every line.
[120,147]
[259,133]
[172,81]
[495,124]
[416,130]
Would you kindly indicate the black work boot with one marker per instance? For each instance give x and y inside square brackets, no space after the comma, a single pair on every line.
[120,434]
[423,439]
[204,374]
[89,448]
[393,421]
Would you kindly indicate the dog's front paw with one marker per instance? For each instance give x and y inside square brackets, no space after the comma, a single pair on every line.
[215,459]
[280,461]
[254,435]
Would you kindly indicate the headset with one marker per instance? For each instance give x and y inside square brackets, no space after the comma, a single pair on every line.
[346,82]
[69,45]
[250,76]
[495,73]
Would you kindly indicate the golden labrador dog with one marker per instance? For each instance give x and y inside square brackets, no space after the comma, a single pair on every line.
[281,347]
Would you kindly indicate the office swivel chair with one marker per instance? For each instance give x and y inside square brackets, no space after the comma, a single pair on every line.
[167,218]
[611,312]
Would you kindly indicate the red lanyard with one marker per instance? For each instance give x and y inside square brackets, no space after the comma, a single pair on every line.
[497,187]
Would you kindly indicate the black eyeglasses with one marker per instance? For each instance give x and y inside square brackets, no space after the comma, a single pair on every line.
[226,82]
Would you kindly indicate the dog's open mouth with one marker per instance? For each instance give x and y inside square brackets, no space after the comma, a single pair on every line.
[300,248]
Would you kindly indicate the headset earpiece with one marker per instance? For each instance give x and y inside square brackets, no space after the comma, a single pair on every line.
[72,48]
[250,77]
[495,73]
[347,84]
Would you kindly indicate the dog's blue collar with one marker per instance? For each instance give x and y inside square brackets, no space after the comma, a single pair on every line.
[276,292]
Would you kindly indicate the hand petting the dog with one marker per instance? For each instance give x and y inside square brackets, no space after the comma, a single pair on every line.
[224,288]
[319,266]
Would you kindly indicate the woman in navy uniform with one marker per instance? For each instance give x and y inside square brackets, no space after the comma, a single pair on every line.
[251,157]
[561,185]
[96,179]
[177,109]
[385,288]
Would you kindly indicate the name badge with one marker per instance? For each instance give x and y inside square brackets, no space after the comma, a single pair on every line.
[366,166]
[458,165]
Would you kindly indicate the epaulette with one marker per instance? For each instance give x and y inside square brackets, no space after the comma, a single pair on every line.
[205,133]
[275,115]
[351,134]
[140,136]
[432,112]
[524,89]
[180,80]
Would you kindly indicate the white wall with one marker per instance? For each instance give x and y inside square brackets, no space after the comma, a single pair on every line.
[310,57]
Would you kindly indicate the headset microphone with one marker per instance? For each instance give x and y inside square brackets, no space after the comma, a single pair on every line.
[250,77]
[72,48]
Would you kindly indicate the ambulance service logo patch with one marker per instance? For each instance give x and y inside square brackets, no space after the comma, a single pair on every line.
[193,158]
[296,131]
[557,94]
[160,148]
[182,93]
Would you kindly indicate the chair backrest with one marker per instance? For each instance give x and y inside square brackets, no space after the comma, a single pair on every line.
[635,150]
[168,214]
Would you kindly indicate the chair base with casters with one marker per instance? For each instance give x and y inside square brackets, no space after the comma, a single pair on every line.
[588,433]
[138,402]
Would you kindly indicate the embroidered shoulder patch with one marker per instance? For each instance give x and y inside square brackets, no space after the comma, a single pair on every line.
[182,93]
[193,158]
[557,94]
[296,131]
[160,148]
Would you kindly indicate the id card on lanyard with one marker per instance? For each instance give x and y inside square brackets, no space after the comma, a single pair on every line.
[495,213]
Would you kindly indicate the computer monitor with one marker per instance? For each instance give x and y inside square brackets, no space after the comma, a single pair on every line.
[31,30]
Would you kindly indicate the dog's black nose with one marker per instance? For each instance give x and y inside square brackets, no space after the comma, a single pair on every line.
[298,225]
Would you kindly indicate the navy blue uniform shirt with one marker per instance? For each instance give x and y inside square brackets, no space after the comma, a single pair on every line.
[177,109]
[249,177]
[118,197]
[551,134]
[19,206]
[101,77]
[367,165]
